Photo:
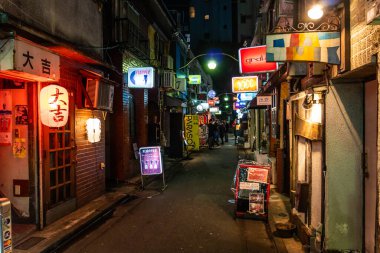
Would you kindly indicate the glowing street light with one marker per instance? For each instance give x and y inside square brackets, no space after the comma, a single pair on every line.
[316,12]
[211,64]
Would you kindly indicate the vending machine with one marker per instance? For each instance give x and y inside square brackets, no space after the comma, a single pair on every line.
[6,226]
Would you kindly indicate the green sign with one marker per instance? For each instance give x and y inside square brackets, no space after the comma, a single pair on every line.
[194,79]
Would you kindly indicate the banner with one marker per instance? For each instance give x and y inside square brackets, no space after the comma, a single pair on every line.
[192,132]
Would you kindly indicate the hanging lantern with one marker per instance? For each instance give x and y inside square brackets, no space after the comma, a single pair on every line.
[93,130]
[54,106]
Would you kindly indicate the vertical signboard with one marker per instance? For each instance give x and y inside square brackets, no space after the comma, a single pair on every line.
[5,226]
[150,160]
[192,132]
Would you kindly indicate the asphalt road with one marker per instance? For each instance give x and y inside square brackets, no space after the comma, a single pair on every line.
[193,214]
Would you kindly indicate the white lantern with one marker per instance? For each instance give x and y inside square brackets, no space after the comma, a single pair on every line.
[93,130]
[54,106]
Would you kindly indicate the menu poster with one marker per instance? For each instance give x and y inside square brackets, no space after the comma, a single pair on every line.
[257,175]
[256,203]
[150,160]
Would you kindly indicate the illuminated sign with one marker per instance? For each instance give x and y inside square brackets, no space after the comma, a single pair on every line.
[211,94]
[253,60]
[239,105]
[306,47]
[214,109]
[54,106]
[246,96]
[264,100]
[245,84]
[141,77]
[192,131]
[150,160]
[194,79]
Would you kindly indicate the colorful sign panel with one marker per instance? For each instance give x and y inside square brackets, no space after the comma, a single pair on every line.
[256,203]
[140,77]
[192,132]
[194,79]
[245,84]
[259,175]
[239,104]
[246,96]
[150,160]
[54,106]
[264,100]
[253,60]
[310,47]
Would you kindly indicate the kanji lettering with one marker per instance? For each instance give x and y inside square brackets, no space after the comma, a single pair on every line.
[28,59]
[58,110]
[45,66]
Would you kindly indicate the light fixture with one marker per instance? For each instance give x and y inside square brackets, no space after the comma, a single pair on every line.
[211,64]
[225,98]
[316,12]
[54,106]
[93,126]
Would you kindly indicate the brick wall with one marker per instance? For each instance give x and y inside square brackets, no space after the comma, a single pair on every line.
[89,176]
[364,38]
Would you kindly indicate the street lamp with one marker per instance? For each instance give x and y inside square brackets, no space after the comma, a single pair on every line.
[211,64]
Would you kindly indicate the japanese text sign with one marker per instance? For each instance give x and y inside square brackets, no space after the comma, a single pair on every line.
[264,100]
[141,77]
[194,79]
[253,60]
[34,60]
[150,160]
[245,84]
[54,106]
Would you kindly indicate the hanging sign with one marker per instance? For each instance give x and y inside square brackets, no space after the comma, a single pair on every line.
[194,79]
[253,60]
[192,132]
[306,47]
[140,77]
[150,160]
[54,106]
[264,100]
[246,96]
[245,84]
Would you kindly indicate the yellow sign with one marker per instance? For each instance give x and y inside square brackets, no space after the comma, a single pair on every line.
[192,132]
[245,84]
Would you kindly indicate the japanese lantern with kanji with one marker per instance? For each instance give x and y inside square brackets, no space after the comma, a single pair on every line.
[54,106]
[93,127]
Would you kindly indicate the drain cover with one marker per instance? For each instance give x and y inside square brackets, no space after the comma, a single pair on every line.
[30,242]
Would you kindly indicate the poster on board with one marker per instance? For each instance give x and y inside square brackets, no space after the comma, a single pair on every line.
[256,203]
[150,160]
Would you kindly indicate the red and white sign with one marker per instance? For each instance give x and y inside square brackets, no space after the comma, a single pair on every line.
[253,60]
[259,175]
[245,84]
[54,106]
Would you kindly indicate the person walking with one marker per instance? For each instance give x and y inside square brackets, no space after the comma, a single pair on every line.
[222,131]
[211,133]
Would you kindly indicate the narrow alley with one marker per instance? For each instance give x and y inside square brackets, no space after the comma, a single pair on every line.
[194,214]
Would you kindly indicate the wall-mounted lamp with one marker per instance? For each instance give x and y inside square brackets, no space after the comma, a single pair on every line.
[93,130]
[316,12]
[313,104]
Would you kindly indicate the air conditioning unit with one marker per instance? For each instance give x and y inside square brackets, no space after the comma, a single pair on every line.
[168,79]
[167,62]
[101,94]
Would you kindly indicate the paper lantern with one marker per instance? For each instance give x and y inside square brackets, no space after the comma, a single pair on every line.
[54,106]
[93,130]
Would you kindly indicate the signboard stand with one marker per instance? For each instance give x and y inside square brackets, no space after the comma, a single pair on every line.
[151,164]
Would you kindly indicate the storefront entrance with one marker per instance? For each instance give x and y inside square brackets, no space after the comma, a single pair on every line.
[59,168]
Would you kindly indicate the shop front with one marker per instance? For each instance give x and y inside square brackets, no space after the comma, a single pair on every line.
[53,132]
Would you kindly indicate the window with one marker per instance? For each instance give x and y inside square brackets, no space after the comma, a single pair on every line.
[207,17]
